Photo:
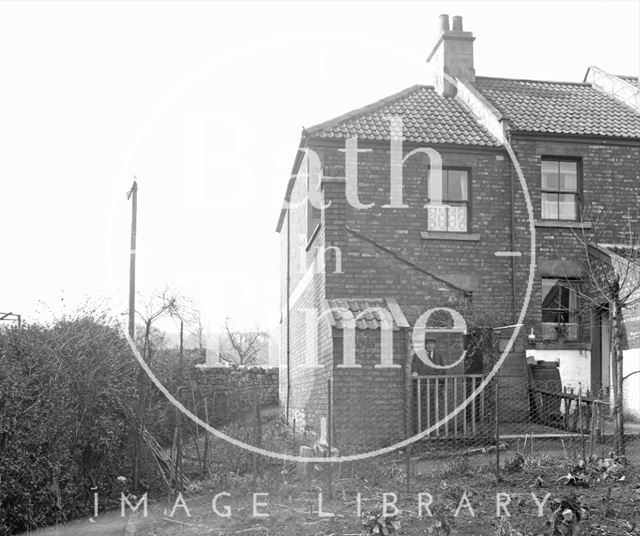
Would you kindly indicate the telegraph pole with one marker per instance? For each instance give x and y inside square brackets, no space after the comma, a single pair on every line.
[133,195]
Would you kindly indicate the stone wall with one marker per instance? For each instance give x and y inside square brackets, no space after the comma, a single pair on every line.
[230,392]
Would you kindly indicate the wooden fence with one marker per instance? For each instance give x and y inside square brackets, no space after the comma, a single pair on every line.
[436,396]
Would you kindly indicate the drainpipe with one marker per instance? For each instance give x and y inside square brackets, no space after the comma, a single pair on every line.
[513,240]
[288,313]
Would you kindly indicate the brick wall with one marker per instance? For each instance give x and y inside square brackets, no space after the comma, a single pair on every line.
[368,271]
[371,267]
[308,384]
[610,174]
[368,402]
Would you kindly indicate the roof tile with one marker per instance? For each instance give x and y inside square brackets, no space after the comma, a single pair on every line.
[427,117]
[366,311]
[565,108]
[559,107]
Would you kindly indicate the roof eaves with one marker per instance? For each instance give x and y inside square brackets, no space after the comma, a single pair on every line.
[292,179]
[532,81]
[572,136]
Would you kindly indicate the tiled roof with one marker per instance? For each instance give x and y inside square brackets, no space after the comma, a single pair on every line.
[365,310]
[632,80]
[559,108]
[427,117]
[629,253]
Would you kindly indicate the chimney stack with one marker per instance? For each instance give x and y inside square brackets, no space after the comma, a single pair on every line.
[452,55]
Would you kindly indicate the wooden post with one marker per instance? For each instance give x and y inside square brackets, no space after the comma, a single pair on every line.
[294,437]
[497,423]
[137,444]
[329,436]
[179,453]
[196,438]
[258,431]
[173,457]
[593,424]
[207,466]
[474,430]
[408,417]
[133,195]
[580,418]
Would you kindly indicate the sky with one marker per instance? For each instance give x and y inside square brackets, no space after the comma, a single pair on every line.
[204,104]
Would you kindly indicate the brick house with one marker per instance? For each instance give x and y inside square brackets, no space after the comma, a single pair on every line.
[364,255]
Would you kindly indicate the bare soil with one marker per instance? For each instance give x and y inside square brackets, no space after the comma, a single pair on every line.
[292,504]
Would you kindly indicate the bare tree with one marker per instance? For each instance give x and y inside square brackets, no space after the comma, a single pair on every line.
[243,347]
[611,281]
[198,332]
[166,302]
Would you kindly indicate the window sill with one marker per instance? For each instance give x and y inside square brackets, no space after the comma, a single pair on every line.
[562,345]
[332,179]
[312,237]
[564,224]
[443,235]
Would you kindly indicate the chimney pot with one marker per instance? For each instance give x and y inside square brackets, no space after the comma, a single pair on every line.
[444,23]
[452,57]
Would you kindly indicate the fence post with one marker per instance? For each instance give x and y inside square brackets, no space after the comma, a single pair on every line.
[580,418]
[497,423]
[593,425]
[408,423]
[205,456]
[258,430]
[329,435]
[294,436]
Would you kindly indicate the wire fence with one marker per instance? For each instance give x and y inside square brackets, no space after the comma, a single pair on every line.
[446,417]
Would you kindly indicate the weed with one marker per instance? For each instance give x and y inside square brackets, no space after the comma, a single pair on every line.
[458,467]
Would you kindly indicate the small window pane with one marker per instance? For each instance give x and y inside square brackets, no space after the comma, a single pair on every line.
[547,285]
[559,309]
[549,175]
[550,316]
[567,206]
[437,218]
[569,176]
[457,185]
[549,206]
[551,298]
[457,218]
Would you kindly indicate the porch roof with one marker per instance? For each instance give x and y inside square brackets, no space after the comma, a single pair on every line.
[369,313]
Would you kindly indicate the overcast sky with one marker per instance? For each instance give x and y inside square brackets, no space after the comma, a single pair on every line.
[95,93]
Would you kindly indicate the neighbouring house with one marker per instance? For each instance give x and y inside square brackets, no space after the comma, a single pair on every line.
[373,237]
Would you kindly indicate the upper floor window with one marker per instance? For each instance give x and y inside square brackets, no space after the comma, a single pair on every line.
[559,310]
[453,214]
[559,189]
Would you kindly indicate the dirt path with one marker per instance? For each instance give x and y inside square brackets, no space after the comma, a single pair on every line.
[108,524]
